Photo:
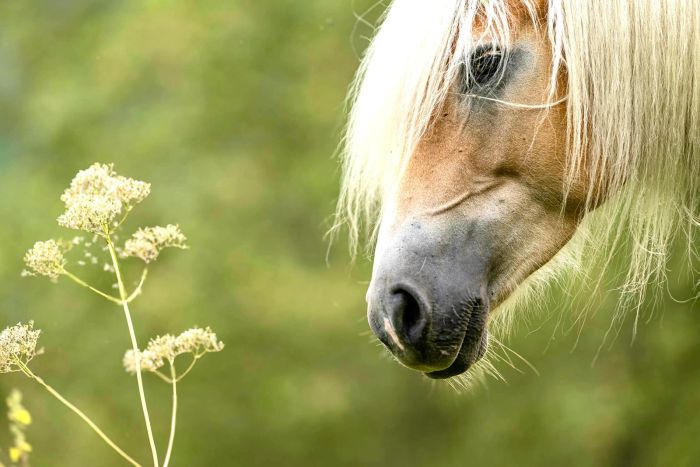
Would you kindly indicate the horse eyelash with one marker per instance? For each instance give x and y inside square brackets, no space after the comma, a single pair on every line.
[484,64]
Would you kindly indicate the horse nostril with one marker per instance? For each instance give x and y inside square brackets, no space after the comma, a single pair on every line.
[406,315]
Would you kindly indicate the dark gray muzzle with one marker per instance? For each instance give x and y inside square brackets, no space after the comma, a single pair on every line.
[428,300]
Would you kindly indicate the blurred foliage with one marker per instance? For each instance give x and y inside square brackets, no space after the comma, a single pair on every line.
[233,110]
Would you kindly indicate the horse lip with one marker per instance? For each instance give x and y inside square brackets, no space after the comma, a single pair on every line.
[472,349]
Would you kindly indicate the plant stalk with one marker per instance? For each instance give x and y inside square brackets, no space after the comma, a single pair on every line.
[173,418]
[135,347]
[79,413]
[79,281]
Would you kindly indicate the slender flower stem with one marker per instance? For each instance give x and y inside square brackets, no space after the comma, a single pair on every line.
[78,412]
[162,376]
[79,281]
[121,221]
[195,357]
[134,346]
[173,418]
[137,290]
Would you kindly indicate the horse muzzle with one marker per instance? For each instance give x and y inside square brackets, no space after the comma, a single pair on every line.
[428,301]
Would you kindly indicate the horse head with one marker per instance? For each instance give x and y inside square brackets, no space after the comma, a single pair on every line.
[472,138]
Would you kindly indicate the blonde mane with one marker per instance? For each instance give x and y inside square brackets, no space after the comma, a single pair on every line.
[633,100]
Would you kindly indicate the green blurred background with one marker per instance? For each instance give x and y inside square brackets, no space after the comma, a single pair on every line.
[233,110]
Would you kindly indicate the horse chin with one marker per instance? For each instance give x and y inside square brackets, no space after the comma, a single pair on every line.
[473,348]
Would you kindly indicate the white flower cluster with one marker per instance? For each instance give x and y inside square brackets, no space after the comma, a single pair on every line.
[17,344]
[147,243]
[97,195]
[45,258]
[195,341]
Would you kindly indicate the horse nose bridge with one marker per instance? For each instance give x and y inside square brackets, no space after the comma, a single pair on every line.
[423,248]
[408,248]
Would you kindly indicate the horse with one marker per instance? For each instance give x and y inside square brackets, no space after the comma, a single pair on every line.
[494,146]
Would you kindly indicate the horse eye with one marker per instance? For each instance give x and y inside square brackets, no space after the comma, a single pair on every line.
[484,64]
